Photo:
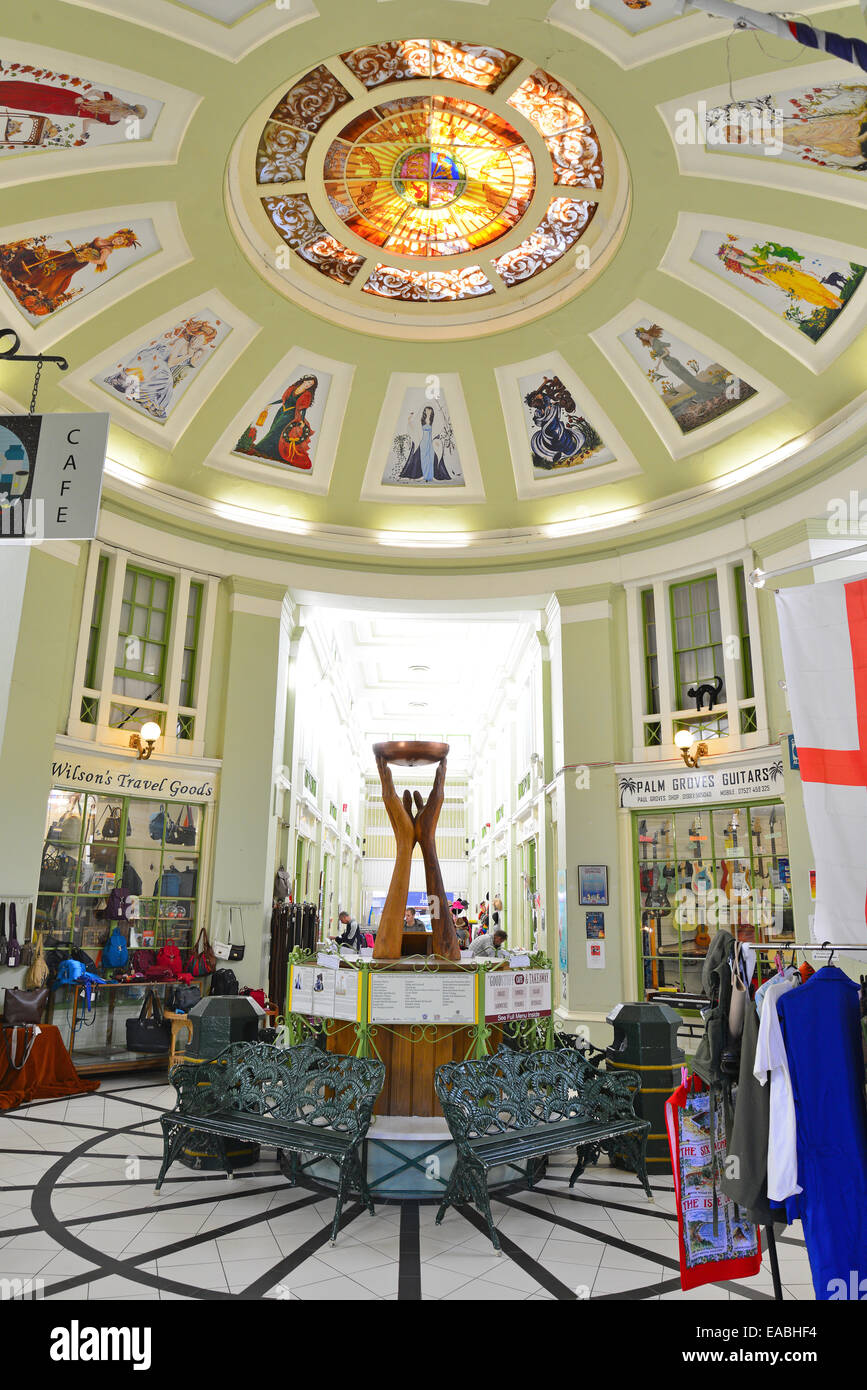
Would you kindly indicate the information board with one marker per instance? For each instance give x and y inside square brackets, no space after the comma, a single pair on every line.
[516,994]
[51,470]
[324,993]
[422,998]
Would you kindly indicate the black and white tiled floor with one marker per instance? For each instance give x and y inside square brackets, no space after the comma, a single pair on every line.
[79,1215]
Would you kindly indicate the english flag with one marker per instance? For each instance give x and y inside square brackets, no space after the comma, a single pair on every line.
[823,628]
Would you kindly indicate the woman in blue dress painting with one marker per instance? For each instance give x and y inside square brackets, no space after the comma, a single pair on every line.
[557,436]
[425,463]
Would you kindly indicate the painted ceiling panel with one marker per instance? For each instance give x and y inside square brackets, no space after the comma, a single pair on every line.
[433,290]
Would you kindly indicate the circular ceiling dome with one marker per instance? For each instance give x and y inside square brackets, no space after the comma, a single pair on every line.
[409,180]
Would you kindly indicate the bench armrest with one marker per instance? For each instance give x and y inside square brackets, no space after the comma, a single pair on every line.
[200,1086]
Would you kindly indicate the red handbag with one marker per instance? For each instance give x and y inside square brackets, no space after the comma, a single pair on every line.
[169,959]
[201,961]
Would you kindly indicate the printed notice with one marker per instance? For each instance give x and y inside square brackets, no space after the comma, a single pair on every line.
[422,998]
[324,993]
[514,994]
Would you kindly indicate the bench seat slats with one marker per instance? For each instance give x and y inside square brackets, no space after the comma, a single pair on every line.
[548,1138]
[267,1129]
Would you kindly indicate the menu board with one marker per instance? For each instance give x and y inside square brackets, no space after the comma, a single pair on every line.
[422,998]
[313,990]
[514,994]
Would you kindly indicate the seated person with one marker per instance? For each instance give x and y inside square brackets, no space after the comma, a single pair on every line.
[462,930]
[351,934]
[488,947]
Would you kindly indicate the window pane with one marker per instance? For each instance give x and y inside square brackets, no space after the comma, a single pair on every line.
[680,594]
[160,594]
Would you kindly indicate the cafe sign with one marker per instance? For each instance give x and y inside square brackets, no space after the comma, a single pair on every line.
[642,786]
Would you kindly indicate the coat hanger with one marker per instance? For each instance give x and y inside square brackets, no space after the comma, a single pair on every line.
[826,946]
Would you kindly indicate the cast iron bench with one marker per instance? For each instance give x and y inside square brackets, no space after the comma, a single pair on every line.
[526,1105]
[299,1100]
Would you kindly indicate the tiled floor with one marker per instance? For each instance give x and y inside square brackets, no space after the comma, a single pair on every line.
[79,1215]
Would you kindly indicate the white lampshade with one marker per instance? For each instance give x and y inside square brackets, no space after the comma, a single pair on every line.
[683,738]
[150,732]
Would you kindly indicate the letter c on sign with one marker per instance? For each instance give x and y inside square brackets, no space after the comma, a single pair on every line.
[69,438]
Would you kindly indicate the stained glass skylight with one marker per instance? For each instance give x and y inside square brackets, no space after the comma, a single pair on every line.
[430,176]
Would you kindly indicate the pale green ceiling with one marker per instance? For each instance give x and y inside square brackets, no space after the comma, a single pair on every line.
[231,91]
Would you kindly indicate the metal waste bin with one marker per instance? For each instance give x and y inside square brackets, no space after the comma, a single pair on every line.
[645,1041]
[218,1021]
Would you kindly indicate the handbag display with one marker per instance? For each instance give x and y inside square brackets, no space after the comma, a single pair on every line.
[229,949]
[169,959]
[202,960]
[224,982]
[55,869]
[24,1005]
[184,998]
[4,943]
[13,945]
[149,1032]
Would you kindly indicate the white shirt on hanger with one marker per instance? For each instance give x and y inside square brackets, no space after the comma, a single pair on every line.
[783,1134]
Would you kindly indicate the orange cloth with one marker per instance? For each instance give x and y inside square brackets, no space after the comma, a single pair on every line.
[48,1073]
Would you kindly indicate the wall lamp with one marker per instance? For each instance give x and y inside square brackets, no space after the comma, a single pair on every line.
[145,739]
[691,750]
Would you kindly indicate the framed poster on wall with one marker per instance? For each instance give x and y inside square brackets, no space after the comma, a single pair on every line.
[593,885]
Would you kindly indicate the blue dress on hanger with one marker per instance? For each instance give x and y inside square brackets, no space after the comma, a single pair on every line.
[821,1027]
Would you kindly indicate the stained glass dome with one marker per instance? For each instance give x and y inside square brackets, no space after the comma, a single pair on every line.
[429,176]
[428,173]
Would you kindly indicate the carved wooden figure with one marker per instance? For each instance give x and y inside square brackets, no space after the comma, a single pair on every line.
[414,825]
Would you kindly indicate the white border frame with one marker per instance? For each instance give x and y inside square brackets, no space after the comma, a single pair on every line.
[260,470]
[677,262]
[373,489]
[607,338]
[230,41]
[163,146]
[174,252]
[527,485]
[242,332]
[767,171]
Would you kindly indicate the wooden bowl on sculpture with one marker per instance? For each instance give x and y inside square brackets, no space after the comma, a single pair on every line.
[411,752]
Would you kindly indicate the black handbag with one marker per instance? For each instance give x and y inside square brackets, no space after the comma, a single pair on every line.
[24,1005]
[55,868]
[148,1034]
[224,982]
[184,998]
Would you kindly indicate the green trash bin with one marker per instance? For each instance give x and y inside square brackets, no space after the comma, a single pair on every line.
[218,1021]
[645,1041]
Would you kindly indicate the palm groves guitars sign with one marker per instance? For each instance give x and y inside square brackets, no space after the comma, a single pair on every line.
[640,785]
[51,469]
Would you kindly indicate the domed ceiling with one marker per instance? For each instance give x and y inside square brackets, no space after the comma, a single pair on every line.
[444,284]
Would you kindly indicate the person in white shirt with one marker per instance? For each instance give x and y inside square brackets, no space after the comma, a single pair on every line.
[488,947]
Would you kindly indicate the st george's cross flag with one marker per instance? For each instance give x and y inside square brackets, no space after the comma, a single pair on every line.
[823,628]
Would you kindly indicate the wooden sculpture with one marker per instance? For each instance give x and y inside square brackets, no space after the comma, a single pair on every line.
[414,825]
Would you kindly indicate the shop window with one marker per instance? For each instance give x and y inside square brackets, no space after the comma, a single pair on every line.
[687,633]
[704,869]
[191,645]
[696,636]
[143,652]
[90,670]
[747,688]
[651,656]
[93,841]
[142,639]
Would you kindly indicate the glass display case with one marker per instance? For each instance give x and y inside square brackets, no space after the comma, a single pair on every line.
[93,841]
[703,869]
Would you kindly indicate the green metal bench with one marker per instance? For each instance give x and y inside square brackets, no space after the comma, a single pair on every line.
[299,1100]
[515,1106]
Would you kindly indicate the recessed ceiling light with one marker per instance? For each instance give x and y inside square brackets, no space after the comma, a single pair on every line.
[419,668]
[418,704]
